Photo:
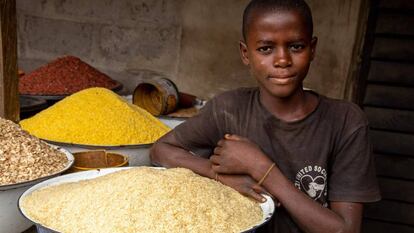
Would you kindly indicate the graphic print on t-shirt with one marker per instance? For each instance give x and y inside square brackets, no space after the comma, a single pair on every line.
[312,180]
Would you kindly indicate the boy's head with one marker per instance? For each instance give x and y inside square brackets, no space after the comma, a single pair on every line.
[264,6]
[278,45]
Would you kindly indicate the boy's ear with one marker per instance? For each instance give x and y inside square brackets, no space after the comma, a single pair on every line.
[314,42]
[243,52]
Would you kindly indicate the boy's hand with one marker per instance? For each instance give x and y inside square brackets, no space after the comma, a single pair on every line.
[245,185]
[236,155]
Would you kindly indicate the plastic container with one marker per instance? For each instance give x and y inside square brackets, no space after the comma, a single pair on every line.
[11,220]
[267,207]
[97,159]
[158,97]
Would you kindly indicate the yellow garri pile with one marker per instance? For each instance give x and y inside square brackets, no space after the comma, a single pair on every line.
[95,116]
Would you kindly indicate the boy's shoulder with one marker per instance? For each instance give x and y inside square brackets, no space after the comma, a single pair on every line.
[344,109]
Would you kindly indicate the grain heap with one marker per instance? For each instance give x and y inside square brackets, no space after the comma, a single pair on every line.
[63,76]
[143,200]
[95,116]
[24,157]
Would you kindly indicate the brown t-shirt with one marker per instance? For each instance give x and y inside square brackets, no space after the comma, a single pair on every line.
[327,155]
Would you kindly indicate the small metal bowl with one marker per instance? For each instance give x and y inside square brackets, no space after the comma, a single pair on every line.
[97,159]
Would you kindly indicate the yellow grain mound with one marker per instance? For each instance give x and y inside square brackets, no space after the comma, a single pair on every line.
[95,116]
[143,200]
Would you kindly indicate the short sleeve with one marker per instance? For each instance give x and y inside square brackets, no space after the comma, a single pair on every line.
[352,176]
[200,133]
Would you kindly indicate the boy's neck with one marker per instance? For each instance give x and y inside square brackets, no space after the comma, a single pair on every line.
[292,108]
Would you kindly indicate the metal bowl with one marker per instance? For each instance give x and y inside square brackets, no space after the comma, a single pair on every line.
[97,159]
[11,220]
[138,155]
[267,207]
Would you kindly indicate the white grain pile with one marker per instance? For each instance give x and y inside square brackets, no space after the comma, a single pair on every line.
[143,200]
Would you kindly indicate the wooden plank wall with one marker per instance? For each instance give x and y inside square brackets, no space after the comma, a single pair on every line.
[9,97]
[388,102]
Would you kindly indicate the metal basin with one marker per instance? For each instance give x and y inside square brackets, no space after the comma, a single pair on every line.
[267,207]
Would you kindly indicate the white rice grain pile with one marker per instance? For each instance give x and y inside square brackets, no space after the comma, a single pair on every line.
[143,200]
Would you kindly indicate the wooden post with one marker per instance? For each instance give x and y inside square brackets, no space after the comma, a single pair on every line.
[9,95]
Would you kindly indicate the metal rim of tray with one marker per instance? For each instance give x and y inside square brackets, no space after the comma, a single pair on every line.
[31,103]
[71,161]
[50,182]
[166,117]
[117,88]
[100,147]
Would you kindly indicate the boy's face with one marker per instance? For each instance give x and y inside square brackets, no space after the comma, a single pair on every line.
[278,50]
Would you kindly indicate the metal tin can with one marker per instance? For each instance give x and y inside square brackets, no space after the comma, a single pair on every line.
[158,97]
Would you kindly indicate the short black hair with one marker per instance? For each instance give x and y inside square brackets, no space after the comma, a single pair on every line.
[276,5]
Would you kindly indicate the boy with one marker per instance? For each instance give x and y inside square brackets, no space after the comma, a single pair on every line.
[311,153]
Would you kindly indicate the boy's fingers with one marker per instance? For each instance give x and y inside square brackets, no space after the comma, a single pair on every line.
[232,137]
[217,150]
[221,142]
[258,197]
[258,189]
[220,169]
[235,137]
[215,159]
[261,189]
[216,168]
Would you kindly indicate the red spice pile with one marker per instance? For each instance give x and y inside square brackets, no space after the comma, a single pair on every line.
[63,76]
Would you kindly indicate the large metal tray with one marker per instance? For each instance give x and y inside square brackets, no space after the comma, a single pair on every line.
[267,207]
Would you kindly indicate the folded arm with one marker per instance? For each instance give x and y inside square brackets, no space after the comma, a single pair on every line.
[168,152]
[236,154]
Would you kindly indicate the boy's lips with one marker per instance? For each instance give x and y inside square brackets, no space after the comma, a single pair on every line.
[281,79]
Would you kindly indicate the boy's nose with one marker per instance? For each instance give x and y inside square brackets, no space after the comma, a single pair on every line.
[282,59]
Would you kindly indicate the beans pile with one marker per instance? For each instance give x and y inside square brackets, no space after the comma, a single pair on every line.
[24,157]
[63,76]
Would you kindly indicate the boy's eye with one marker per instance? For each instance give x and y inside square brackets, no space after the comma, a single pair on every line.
[265,49]
[296,47]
